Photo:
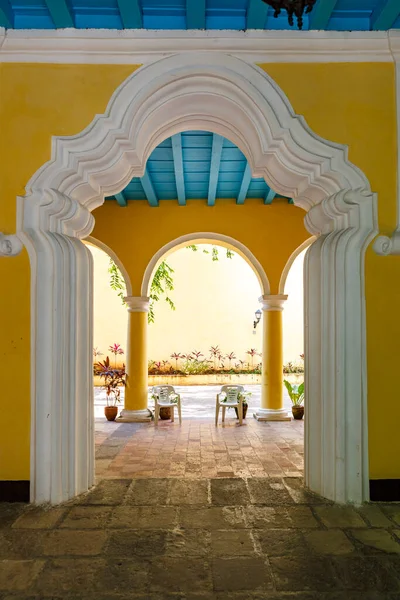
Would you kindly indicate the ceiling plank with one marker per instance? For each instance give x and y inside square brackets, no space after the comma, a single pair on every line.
[216,152]
[269,197]
[195,14]
[131,14]
[244,185]
[6,14]
[60,13]
[385,14]
[120,198]
[257,12]
[149,189]
[178,168]
[321,13]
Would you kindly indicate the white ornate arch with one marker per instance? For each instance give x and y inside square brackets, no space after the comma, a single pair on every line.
[205,237]
[290,261]
[102,246]
[218,93]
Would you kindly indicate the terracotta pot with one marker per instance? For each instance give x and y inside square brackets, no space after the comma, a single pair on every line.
[298,412]
[110,412]
[165,413]
[244,411]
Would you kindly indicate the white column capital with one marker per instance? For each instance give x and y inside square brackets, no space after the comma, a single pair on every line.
[273,301]
[137,303]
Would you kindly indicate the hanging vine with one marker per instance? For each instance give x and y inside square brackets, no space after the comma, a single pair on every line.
[162,282]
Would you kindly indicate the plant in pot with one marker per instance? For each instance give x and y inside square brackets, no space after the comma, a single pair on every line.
[296,394]
[243,396]
[114,379]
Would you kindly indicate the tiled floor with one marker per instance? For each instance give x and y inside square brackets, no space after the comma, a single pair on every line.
[198,449]
[200,539]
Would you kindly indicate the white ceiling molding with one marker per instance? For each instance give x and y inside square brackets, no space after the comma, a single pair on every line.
[141,46]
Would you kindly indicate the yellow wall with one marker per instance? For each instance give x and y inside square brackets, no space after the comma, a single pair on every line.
[215,304]
[348,103]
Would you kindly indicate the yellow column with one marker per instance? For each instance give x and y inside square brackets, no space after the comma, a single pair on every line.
[136,390]
[272,361]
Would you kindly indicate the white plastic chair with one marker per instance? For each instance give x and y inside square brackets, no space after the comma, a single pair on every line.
[228,396]
[165,396]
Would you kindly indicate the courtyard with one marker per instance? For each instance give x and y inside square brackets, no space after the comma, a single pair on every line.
[198,449]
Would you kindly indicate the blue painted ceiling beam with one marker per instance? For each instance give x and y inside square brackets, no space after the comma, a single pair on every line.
[216,152]
[257,12]
[6,15]
[131,14]
[269,197]
[244,185]
[195,14]
[60,13]
[385,14]
[120,198]
[149,189]
[321,13]
[178,168]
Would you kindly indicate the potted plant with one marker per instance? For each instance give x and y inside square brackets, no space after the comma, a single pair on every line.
[114,379]
[243,396]
[296,394]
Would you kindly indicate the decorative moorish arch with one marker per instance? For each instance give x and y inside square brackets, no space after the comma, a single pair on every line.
[222,94]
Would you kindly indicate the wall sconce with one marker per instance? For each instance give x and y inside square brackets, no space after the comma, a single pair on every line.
[257,316]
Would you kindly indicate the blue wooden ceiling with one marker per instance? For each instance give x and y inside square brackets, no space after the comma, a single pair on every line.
[196,165]
[339,15]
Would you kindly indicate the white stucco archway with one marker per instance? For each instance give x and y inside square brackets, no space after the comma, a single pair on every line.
[222,94]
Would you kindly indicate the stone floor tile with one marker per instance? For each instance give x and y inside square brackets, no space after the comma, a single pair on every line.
[303,573]
[339,516]
[268,491]
[18,544]
[366,573]
[267,517]
[143,517]
[107,492]
[69,575]
[302,517]
[329,541]
[225,492]
[231,574]
[374,516]
[281,542]
[39,518]
[64,542]
[86,517]
[376,539]
[188,542]
[230,542]
[18,575]
[212,517]
[136,542]
[175,574]
[300,494]
[183,491]
[393,512]
[122,575]
[10,512]
[147,491]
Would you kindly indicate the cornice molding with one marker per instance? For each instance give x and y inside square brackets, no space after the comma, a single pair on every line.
[141,46]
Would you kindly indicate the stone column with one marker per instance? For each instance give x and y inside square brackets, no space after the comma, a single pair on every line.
[136,390]
[272,361]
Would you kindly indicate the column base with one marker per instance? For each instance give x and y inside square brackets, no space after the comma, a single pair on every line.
[272,414]
[134,416]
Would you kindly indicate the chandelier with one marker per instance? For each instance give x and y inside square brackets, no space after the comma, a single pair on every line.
[293,7]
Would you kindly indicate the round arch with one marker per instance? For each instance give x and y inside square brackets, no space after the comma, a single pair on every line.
[205,238]
[292,258]
[222,94]
[102,246]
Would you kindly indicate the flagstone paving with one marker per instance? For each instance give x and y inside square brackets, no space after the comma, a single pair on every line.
[200,539]
[197,448]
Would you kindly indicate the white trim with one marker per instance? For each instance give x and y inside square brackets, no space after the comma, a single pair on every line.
[273,302]
[223,94]
[272,414]
[290,261]
[208,237]
[141,46]
[137,303]
[135,416]
[102,246]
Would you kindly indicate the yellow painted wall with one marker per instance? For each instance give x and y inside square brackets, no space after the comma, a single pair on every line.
[215,304]
[352,104]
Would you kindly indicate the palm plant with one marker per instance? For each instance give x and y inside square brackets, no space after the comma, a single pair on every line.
[231,356]
[116,350]
[197,354]
[215,353]
[252,353]
[176,356]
